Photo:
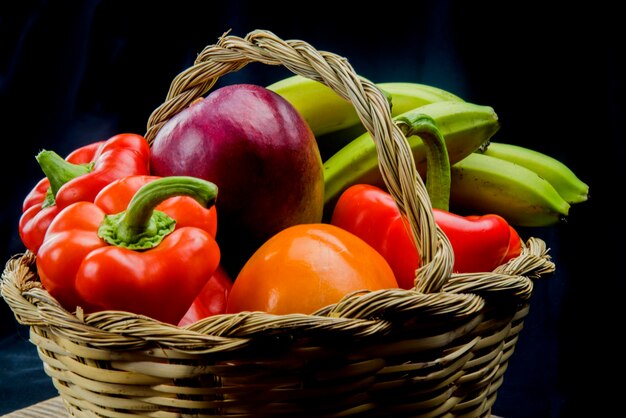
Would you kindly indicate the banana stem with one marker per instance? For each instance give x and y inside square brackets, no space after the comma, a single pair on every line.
[437,162]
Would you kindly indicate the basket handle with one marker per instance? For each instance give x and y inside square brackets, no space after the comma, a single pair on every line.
[395,159]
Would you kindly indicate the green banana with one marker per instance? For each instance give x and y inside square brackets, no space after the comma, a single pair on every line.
[404,98]
[566,183]
[484,184]
[326,112]
[464,126]
[323,109]
[408,96]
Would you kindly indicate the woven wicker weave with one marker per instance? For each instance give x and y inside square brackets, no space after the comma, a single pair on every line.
[439,350]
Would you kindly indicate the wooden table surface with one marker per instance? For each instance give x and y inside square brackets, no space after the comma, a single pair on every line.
[51,408]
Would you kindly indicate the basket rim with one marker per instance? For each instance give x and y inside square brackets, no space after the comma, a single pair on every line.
[359,315]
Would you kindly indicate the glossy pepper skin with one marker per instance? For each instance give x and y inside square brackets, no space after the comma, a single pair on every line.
[39,208]
[135,261]
[479,243]
[515,246]
[515,242]
[115,197]
[92,167]
[212,300]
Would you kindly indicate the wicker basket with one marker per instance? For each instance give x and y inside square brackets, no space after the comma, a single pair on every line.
[439,350]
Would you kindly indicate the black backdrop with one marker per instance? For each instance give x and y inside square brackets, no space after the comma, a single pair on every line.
[75,72]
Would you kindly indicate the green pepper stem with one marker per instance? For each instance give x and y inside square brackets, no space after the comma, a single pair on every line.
[141,227]
[437,161]
[59,171]
[150,195]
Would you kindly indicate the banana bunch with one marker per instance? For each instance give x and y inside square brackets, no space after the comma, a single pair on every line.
[334,121]
[562,178]
[524,186]
[326,112]
[465,128]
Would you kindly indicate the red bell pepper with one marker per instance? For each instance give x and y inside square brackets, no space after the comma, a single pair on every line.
[212,300]
[39,208]
[479,243]
[115,198]
[135,260]
[78,178]
[515,246]
[515,242]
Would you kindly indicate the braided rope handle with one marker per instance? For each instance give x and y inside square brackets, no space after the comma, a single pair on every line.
[396,163]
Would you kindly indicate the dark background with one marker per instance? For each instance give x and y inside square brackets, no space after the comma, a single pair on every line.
[75,72]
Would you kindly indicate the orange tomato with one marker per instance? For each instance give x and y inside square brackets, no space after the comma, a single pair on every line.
[306,267]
